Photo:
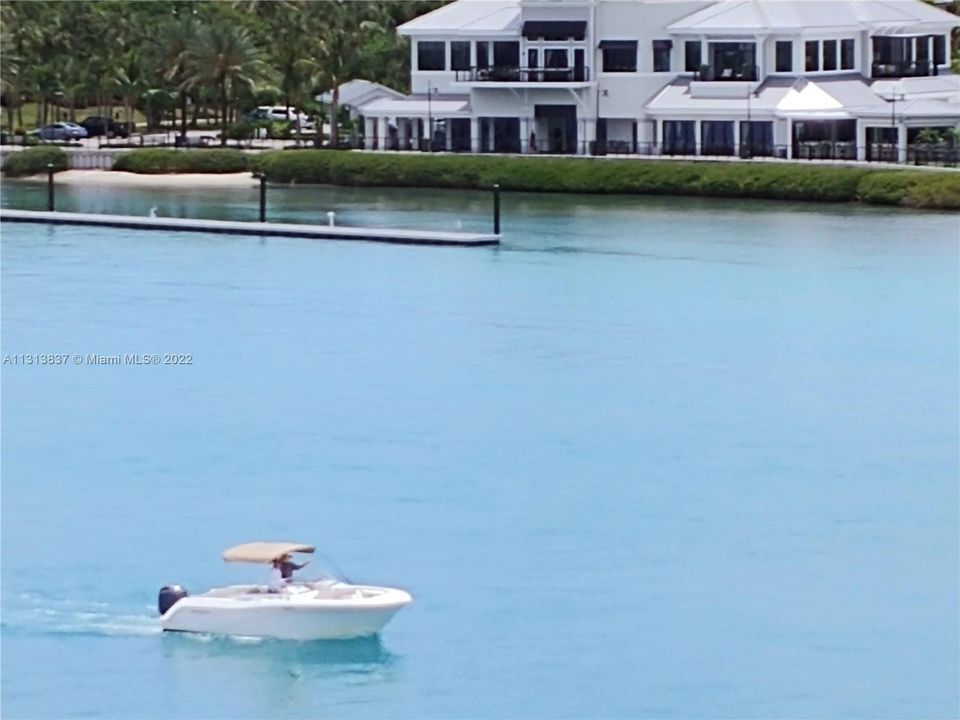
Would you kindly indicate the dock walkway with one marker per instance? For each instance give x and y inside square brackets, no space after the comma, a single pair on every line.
[233,227]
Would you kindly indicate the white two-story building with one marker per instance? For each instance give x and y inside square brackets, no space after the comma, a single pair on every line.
[848,79]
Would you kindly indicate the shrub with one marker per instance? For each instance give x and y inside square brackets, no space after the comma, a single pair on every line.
[240,131]
[34,161]
[777,181]
[158,161]
[912,189]
[279,129]
[554,174]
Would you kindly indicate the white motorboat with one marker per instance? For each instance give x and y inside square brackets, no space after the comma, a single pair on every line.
[322,609]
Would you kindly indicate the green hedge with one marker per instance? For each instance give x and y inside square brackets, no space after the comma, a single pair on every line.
[911,188]
[781,181]
[34,161]
[159,161]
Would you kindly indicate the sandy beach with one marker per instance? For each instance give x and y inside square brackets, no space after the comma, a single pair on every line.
[115,177]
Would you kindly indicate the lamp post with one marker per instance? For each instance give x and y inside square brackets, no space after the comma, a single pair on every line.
[262,177]
[894,96]
[430,91]
[50,187]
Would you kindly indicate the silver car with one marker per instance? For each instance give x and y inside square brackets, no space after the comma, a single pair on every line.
[60,131]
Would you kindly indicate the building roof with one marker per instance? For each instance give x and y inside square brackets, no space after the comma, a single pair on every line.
[419,106]
[357,93]
[468,17]
[799,98]
[681,98]
[934,87]
[748,17]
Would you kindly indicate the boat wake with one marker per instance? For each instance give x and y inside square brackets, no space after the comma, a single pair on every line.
[35,614]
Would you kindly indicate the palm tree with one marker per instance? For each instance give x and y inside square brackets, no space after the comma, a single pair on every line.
[224,57]
[131,82]
[339,29]
[10,67]
[174,41]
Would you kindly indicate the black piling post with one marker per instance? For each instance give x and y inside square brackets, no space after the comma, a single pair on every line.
[263,198]
[496,209]
[50,187]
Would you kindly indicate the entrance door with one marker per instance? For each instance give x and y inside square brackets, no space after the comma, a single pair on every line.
[558,124]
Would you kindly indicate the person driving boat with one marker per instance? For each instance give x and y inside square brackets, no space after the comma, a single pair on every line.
[281,572]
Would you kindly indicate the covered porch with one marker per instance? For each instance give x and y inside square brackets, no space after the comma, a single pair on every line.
[429,123]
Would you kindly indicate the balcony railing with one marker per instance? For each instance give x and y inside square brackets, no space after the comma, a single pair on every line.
[744,73]
[523,75]
[914,68]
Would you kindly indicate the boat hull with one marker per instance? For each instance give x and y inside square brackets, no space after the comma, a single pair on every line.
[284,618]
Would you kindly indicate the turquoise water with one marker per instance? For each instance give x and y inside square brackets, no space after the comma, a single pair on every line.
[651,458]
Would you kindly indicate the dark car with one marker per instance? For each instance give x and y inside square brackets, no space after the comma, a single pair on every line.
[95,126]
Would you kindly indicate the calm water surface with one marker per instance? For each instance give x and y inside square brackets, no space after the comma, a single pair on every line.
[651,458]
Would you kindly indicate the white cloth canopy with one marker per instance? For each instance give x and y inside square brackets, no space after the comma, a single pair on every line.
[263,552]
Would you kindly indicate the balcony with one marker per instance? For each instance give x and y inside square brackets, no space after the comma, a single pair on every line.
[727,73]
[902,69]
[508,74]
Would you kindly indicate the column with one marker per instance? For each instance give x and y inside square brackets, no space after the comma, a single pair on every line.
[383,133]
[737,150]
[448,136]
[587,147]
[902,143]
[861,140]
[474,132]
[425,142]
[697,135]
[368,135]
[789,138]
[524,134]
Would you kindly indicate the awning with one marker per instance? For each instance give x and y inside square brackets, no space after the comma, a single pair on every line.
[629,45]
[263,552]
[555,29]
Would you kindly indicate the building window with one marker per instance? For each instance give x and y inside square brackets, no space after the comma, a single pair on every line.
[756,139]
[784,56]
[533,58]
[679,137]
[898,56]
[846,54]
[555,59]
[692,56]
[731,61]
[483,54]
[939,50]
[661,55]
[829,54]
[459,55]
[619,56]
[812,48]
[431,55]
[716,137]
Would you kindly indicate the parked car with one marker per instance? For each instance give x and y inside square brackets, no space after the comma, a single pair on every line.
[96,125]
[60,131]
[279,113]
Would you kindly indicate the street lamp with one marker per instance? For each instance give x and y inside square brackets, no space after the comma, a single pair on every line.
[894,96]
[430,91]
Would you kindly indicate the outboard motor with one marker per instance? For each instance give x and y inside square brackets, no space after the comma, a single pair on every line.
[169,595]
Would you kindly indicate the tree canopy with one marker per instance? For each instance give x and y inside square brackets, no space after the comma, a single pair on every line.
[167,55]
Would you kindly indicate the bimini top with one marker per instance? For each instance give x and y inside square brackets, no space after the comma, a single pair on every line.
[263,552]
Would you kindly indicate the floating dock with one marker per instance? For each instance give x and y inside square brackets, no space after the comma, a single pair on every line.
[268,229]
